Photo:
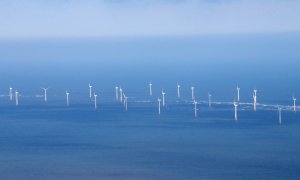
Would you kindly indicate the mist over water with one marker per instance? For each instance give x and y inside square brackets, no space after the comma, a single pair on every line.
[210,63]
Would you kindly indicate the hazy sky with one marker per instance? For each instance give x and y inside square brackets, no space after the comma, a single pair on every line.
[97,18]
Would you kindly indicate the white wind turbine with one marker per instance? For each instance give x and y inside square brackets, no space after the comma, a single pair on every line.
[125,102]
[117,93]
[192,89]
[17,98]
[209,100]
[235,104]
[294,99]
[67,95]
[195,108]
[163,96]
[159,100]
[279,114]
[45,94]
[121,94]
[90,88]
[178,90]
[10,93]
[95,100]
[254,98]
[150,88]
[238,93]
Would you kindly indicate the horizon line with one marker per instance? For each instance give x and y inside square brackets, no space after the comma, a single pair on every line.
[295,32]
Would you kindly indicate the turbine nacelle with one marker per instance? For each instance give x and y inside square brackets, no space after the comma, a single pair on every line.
[235,104]
[255,92]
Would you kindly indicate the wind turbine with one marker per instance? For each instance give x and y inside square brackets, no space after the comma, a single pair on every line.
[238,93]
[95,100]
[209,100]
[279,113]
[195,103]
[163,95]
[235,104]
[117,93]
[67,94]
[294,99]
[159,100]
[90,87]
[192,88]
[45,93]
[125,102]
[121,94]
[10,93]
[17,98]
[178,90]
[254,99]
[150,88]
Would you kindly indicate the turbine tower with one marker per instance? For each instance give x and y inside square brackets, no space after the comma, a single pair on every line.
[209,100]
[163,95]
[10,93]
[150,88]
[195,108]
[67,95]
[235,104]
[279,113]
[121,94]
[90,88]
[117,93]
[95,100]
[159,100]
[254,99]
[238,93]
[17,98]
[294,99]
[192,88]
[45,94]
[178,90]
[125,102]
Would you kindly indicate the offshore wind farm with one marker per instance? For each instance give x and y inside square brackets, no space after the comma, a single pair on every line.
[148,123]
[140,90]
[178,100]
[123,133]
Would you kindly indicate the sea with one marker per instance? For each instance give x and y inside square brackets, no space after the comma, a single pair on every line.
[49,140]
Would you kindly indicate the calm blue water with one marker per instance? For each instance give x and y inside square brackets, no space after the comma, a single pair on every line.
[52,141]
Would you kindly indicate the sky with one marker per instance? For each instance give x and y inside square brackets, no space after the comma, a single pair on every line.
[106,18]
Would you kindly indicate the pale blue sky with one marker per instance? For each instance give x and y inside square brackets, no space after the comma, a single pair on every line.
[98,18]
